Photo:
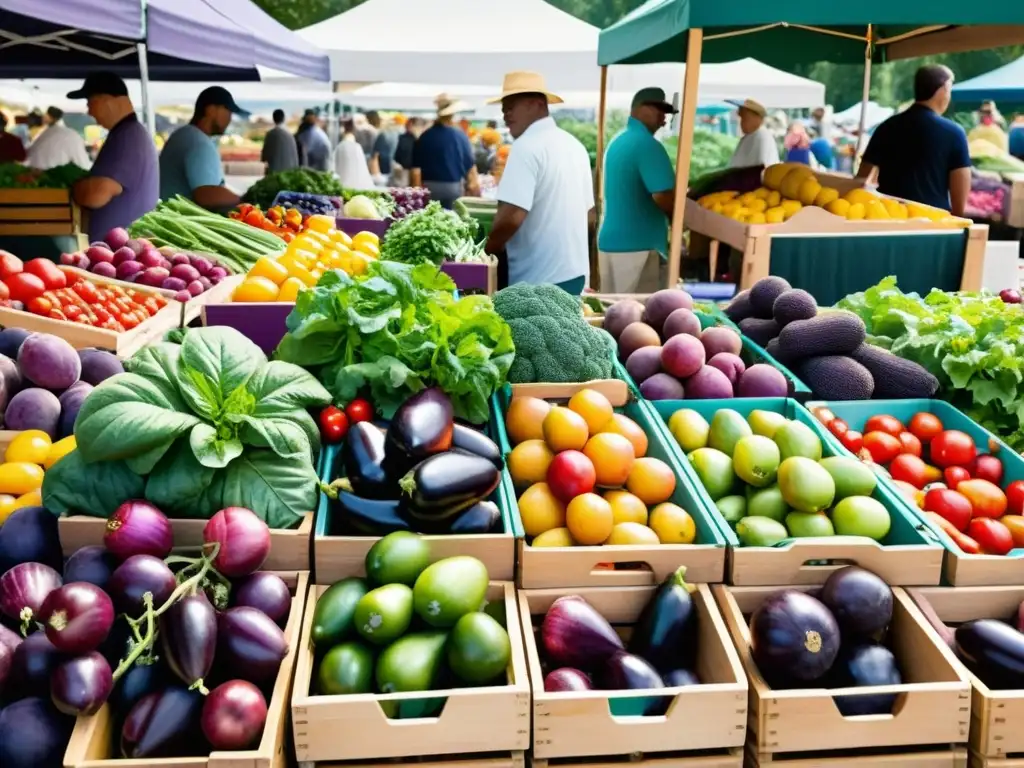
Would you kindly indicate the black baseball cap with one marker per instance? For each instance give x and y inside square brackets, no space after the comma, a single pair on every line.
[656,98]
[100,83]
[216,96]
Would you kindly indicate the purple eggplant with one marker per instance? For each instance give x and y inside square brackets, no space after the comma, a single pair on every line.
[566,679]
[994,651]
[626,672]
[444,485]
[421,427]
[33,734]
[160,724]
[267,592]
[188,632]
[666,632]
[793,638]
[482,517]
[81,685]
[574,634]
[250,644]
[866,665]
[860,601]
[368,517]
[139,681]
[477,443]
[32,665]
[680,677]
[94,565]
[361,460]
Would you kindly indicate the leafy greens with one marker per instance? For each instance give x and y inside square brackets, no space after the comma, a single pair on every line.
[432,235]
[396,330]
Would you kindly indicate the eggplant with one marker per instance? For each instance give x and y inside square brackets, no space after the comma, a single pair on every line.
[666,632]
[566,679]
[628,672]
[482,517]
[574,634]
[864,665]
[446,484]
[994,651]
[30,535]
[860,601]
[793,638]
[477,443]
[422,426]
[251,646]
[678,678]
[33,734]
[188,632]
[32,665]
[361,461]
[160,724]
[139,681]
[370,517]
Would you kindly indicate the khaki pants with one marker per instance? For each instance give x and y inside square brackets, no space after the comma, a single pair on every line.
[632,272]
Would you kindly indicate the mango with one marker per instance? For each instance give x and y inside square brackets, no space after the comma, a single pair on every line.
[714,470]
[767,502]
[760,532]
[727,427]
[852,477]
[797,439]
[756,460]
[806,485]
[802,525]
[689,428]
[732,508]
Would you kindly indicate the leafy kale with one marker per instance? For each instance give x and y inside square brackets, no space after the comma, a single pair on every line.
[432,235]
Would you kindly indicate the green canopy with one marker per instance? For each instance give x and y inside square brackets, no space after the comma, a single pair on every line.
[784,34]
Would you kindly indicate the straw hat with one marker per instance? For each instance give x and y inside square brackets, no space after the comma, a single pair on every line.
[525,82]
[448,105]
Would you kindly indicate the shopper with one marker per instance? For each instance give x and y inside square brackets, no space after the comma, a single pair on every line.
[280,151]
[57,144]
[757,147]
[384,145]
[12,150]
[190,164]
[443,158]
[918,154]
[314,141]
[367,128]
[124,182]
[797,144]
[404,149]
[639,193]
[988,127]
[546,194]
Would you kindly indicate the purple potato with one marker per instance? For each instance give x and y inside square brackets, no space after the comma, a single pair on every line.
[682,356]
[99,253]
[729,364]
[185,272]
[681,321]
[11,340]
[34,408]
[720,339]
[121,255]
[49,362]
[662,386]
[99,365]
[104,269]
[126,270]
[10,381]
[708,384]
[154,276]
[173,284]
[644,363]
[117,238]
[663,303]
[621,314]
[195,288]
[70,403]
[762,380]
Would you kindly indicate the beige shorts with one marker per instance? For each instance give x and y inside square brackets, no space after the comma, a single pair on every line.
[632,272]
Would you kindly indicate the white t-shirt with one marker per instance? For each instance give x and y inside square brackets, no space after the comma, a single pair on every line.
[58,145]
[350,165]
[548,175]
[757,148]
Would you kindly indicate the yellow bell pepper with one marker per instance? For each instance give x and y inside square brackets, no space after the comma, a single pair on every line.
[269,268]
[341,238]
[304,275]
[256,289]
[290,289]
[320,223]
[20,477]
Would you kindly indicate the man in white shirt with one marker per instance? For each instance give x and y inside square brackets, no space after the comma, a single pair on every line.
[757,147]
[57,145]
[546,194]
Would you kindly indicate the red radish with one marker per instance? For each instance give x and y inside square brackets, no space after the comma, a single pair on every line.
[96,254]
[122,255]
[104,269]
[233,715]
[244,541]
[138,528]
[77,617]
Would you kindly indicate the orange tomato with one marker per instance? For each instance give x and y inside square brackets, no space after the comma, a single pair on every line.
[626,508]
[629,429]
[540,510]
[612,456]
[565,430]
[1016,525]
[651,481]
[672,524]
[589,519]
[593,407]
[529,461]
[987,499]
[524,419]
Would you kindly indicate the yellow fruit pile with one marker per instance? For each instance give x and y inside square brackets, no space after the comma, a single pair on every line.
[26,459]
[789,187]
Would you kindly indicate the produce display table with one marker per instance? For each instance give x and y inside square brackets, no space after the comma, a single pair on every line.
[482,209]
[47,212]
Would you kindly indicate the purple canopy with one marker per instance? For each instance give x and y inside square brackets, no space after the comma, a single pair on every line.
[120,18]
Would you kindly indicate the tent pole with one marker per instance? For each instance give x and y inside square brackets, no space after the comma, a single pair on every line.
[147,105]
[865,95]
[602,109]
[695,41]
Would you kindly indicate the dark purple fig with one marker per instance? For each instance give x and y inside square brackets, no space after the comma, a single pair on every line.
[233,716]
[160,723]
[32,665]
[135,577]
[250,644]
[188,632]
[139,681]
[33,735]
[265,592]
[77,617]
[81,685]
[90,564]
[24,588]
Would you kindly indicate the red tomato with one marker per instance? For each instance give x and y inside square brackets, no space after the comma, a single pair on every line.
[25,287]
[130,320]
[40,305]
[966,543]
[570,474]
[87,291]
[994,537]
[48,272]
[988,500]
[956,475]
[56,314]
[333,424]
[73,311]
[852,441]
[883,423]
[838,427]
[360,410]
[953,506]
[102,316]
[910,443]
[909,469]
[1015,498]
[988,467]
[5,292]
[925,426]
[952,448]
[824,415]
[9,265]
[151,306]
[882,446]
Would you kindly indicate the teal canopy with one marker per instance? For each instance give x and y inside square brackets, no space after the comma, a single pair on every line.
[785,34]
[1005,84]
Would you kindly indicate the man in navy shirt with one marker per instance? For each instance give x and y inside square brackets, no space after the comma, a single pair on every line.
[443,158]
[920,155]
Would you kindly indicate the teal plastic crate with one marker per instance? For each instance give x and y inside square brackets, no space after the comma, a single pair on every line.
[337,557]
[549,567]
[961,569]
[909,554]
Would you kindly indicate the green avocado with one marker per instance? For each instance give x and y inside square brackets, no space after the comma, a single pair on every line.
[384,614]
[449,589]
[347,668]
[478,649]
[412,663]
[333,615]
[398,558]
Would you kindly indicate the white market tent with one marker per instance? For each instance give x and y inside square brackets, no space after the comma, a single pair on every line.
[873,115]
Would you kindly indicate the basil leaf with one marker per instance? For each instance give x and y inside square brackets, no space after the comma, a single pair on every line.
[179,483]
[158,363]
[72,486]
[214,363]
[280,387]
[283,437]
[280,491]
[210,449]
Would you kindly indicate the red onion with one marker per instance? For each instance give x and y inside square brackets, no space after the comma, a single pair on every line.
[26,586]
[81,685]
[233,715]
[244,541]
[138,528]
[77,617]
[566,679]
[266,592]
[574,634]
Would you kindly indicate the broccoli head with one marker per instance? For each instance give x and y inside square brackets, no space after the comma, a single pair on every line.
[525,300]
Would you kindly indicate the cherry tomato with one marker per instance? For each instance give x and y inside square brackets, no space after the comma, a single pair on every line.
[1015,498]
[956,475]
[84,320]
[48,272]
[40,305]
[1016,525]
[994,537]
[988,467]
[87,291]
[359,410]
[129,320]
[909,469]
[953,506]
[987,499]
[852,441]
[102,316]
[838,427]
[151,306]
[882,446]
[333,424]
[73,311]
[25,287]
[925,426]
[824,415]
[884,423]
[9,265]
[952,448]
[910,443]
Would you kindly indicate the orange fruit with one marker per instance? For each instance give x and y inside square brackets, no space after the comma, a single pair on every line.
[556,537]
[626,508]
[528,462]
[589,519]
[632,534]
[593,407]
[651,481]
[540,510]
[565,430]
[524,418]
[612,457]
[672,524]
[629,429]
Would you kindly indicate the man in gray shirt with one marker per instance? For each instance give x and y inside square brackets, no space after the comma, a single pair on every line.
[280,152]
[315,141]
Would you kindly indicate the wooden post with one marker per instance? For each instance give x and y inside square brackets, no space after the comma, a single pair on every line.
[602,108]
[695,41]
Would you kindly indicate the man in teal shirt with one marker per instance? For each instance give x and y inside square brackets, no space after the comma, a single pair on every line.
[639,194]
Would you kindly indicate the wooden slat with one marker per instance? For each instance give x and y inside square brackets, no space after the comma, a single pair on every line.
[35,213]
[51,229]
[36,196]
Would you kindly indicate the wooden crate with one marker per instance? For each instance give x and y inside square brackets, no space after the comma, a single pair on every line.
[261,322]
[950,757]
[482,719]
[977,761]
[578,725]
[511,759]
[289,549]
[93,740]
[45,212]
[996,716]
[1015,215]
[729,758]
[933,705]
